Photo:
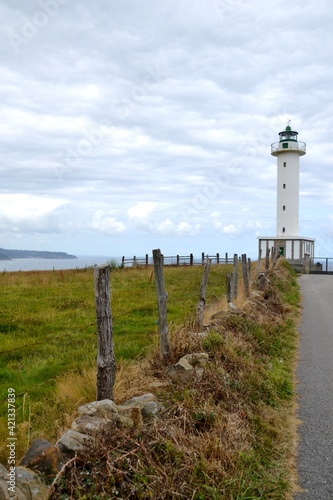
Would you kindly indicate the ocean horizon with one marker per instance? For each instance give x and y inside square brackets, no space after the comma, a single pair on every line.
[38,264]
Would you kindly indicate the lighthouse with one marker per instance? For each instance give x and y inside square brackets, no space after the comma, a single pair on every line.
[287,241]
[287,151]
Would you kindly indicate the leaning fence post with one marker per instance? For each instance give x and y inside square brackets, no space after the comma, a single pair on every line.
[161,301]
[202,294]
[106,364]
[245,275]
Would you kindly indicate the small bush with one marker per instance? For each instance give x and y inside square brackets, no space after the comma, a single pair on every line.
[212,341]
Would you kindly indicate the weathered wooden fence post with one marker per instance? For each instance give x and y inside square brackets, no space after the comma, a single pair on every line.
[249,263]
[234,284]
[245,275]
[267,260]
[202,295]
[229,287]
[161,301]
[106,364]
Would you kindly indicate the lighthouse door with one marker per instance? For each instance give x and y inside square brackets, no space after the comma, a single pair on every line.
[281,251]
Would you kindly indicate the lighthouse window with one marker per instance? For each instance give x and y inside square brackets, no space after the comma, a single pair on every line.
[284,163]
[284,186]
[283,229]
[284,207]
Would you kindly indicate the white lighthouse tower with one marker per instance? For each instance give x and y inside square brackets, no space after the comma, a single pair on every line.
[287,150]
[293,247]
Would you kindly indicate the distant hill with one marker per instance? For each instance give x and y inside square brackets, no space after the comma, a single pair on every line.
[33,254]
[4,257]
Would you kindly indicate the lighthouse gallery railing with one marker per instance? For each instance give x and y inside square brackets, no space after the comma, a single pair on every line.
[277,146]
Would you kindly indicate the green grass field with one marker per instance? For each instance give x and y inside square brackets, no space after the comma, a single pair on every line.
[48,328]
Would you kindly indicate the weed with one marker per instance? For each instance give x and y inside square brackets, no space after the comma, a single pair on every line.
[212,341]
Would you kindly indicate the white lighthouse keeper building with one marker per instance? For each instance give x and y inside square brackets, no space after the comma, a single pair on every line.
[288,242]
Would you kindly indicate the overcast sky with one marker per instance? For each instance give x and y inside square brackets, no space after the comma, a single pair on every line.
[140,124]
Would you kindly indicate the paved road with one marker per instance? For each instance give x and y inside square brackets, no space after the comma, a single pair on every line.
[315,389]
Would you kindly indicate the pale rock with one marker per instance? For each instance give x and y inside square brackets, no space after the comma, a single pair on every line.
[188,367]
[196,359]
[132,412]
[103,408]
[93,424]
[29,483]
[140,400]
[150,412]
[181,372]
[147,404]
[6,494]
[73,442]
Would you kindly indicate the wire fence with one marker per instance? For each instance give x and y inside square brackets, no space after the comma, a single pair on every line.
[177,260]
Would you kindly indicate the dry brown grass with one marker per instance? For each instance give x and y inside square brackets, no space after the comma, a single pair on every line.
[228,435]
[75,389]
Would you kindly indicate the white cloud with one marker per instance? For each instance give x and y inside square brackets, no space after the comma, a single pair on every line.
[145,118]
[106,223]
[30,213]
[169,228]
[242,227]
[140,212]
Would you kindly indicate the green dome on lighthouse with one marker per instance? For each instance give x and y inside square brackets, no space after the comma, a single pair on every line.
[288,140]
[288,134]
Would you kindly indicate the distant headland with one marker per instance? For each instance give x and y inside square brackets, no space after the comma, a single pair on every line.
[33,254]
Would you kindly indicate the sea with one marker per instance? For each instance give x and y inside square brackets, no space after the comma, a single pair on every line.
[36,264]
